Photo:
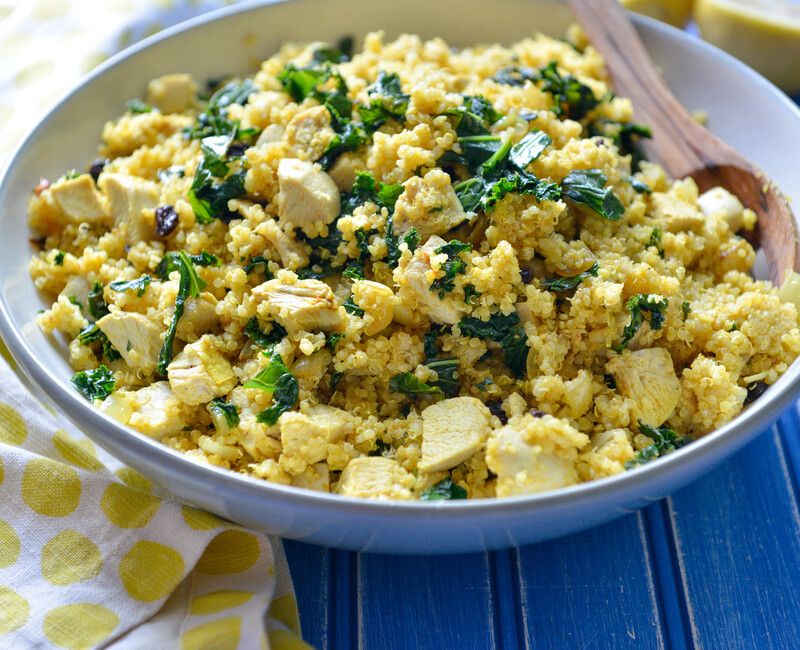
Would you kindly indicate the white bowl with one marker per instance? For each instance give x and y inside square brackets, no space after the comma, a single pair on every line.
[743,109]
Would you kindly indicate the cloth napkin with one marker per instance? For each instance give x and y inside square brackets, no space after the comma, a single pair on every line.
[91,555]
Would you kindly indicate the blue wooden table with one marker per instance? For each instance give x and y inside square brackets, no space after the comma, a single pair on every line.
[716,565]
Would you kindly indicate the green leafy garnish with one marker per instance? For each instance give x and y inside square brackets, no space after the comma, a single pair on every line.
[254,332]
[571,98]
[446,380]
[408,384]
[410,238]
[208,198]
[222,409]
[444,490]
[475,116]
[58,259]
[351,307]
[516,76]
[452,267]
[655,241]
[687,309]
[190,284]
[332,339]
[505,330]
[339,54]
[94,384]
[638,305]
[639,186]
[587,187]
[275,378]
[205,259]
[569,283]
[367,189]
[137,106]
[354,271]
[96,302]
[481,193]
[93,334]
[470,294]
[529,148]
[388,102]
[139,285]
[664,440]
[213,121]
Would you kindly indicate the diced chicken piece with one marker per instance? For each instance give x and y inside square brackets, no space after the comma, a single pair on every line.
[308,305]
[156,412]
[677,215]
[334,423]
[316,477]
[452,431]
[199,317]
[648,378]
[271,134]
[134,336]
[375,477]
[172,93]
[289,248]
[523,467]
[578,393]
[308,197]
[428,204]
[719,201]
[79,199]
[415,279]
[305,436]
[77,291]
[200,373]
[377,301]
[128,197]
[309,133]
[344,170]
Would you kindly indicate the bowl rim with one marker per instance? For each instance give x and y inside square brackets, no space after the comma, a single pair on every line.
[752,420]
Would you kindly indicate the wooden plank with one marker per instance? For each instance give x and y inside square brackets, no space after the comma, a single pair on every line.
[442,602]
[737,541]
[594,589]
[310,569]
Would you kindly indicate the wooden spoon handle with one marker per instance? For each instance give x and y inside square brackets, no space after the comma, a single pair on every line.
[680,144]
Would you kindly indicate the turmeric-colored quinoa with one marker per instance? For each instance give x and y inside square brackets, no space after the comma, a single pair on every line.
[415,272]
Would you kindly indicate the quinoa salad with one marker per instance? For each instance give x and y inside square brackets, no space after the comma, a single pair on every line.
[408,272]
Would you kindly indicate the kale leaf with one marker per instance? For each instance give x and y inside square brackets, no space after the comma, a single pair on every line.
[222,409]
[275,378]
[569,283]
[139,285]
[664,440]
[587,187]
[571,98]
[254,332]
[96,302]
[388,102]
[444,490]
[94,384]
[408,384]
[452,267]
[505,330]
[637,305]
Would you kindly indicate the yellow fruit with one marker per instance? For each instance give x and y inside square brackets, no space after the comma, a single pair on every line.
[674,12]
[765,34]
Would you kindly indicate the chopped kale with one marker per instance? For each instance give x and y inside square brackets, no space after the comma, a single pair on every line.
[516,76]
[505,330]
[219,407]
[626,136]
[569,283]
[354,271]
[686,307]
[213,121]
[94,384]
[408,384]
[587,187]
[93,334]
[444,490]
[275,378]
[205,259]
[470,294]
[139,285]
[484,384]
[190,284]
[571,98]
[137,106]
[638,305]
[639,186]
[474,117]
[529,148]
[664,440]
[96,302]
[332,340]
[480,193]
[254,332]
[58,259]
[655,241]
[452,267]
[258,261]
[410,239]
[208,198]
[351,307]
[388,102]
[446,375]
[367,189]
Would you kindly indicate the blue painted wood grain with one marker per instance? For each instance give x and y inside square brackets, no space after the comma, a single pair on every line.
[715,566]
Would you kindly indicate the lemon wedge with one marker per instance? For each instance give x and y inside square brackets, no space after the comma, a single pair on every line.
[765,34]
[674,12]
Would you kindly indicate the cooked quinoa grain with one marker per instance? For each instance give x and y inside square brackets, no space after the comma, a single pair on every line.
[413,273]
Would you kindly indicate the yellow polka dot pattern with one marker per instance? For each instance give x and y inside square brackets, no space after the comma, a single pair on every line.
[49,488]
[87,550]
[150,570]
[80,626]
[70,557]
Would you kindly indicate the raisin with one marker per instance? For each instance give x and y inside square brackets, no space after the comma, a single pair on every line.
[166,220]
[97,168]
[526,275]
[237,149]
[495,407]
[537,413]
[754,391]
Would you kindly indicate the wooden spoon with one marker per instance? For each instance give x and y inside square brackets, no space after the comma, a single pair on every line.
[680,144]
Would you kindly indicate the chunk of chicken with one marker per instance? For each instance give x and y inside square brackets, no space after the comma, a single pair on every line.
[309,133]
[200,373]
[316,477]
[377,301]
[344,170]
[199,317]
[415,278]
[77,290]
[428,204]
[334,423]
[308,197]
[719,201]
[289,248]
[375,477]
[172,93]
[156,412]
[305,305]
[648,378]
[523,467]
[134,336]
[79,199]
[271,134]
[452,431]
[128,198]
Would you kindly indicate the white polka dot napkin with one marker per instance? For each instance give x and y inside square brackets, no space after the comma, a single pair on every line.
[90,555]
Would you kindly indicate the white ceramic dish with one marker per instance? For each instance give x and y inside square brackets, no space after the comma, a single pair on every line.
[743,109]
